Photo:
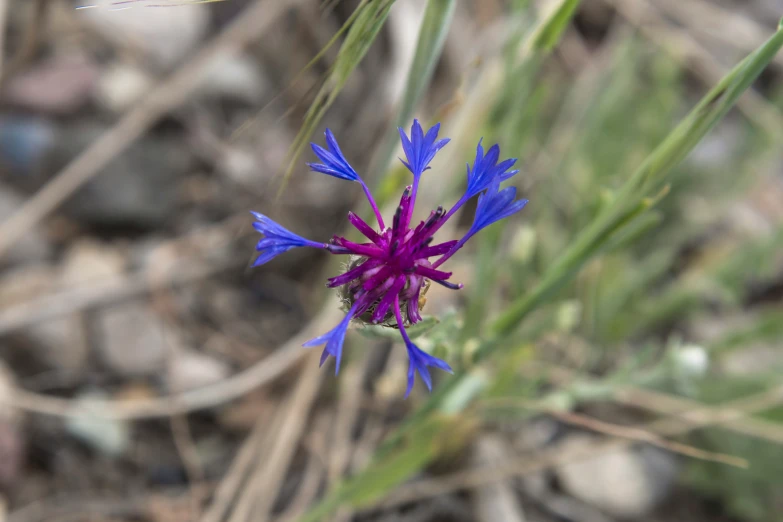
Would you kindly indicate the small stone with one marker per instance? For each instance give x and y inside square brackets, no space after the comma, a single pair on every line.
[58,343]
[235,77]
[191,370]
[24,142]
[625,482]
[74,76]
[138,189]
[495,501]
[239,164]
[122,85]
[165,36]
[131,340]
[108,436]
[90,261]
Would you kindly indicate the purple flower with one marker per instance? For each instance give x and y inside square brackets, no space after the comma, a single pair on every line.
[388,273]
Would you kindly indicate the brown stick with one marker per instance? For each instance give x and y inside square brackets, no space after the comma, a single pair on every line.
[235,386]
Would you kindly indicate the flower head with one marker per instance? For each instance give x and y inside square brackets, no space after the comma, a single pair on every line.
[420,148]
[334,162]
[389,272]
[486,169]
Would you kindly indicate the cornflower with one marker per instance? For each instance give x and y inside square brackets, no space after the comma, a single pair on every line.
[387,275]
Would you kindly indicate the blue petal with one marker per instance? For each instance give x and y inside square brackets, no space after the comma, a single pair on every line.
[334,340]
[420,148]
[333,160]
[419,361]
[486,169]
[494,205]
[276,239]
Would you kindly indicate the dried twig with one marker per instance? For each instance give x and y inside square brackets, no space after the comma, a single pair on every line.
[642,435]
[314,471]
[3,20]
[677,407]
[31,39]
[257,499]
[241,467]
[237,385]
[685,409]
[683,47]
[636,433]
[185,269]
[556,456]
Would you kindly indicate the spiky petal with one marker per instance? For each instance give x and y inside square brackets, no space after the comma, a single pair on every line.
[333,160]
[420,148]
[277,239]
[418,360]
[496,204]
[486,169]
[335,164]
[334,340]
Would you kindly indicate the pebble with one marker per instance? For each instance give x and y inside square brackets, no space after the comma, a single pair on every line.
[138,189]
[58,343]
[131,340]
[110,437]
[120,86]
[495,501]
[24,143]
[191,370]
[164,36]
[90,261]
[626,482]
[233,76]
[74,76]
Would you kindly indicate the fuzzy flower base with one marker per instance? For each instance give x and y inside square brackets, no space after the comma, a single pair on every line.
[387,275]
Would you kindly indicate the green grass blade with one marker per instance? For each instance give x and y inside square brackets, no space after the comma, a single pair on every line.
[548,34]
[358,40]
[432,37]
[653,172]
[385,472]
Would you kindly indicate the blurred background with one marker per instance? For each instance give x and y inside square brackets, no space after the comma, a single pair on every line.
[147,374]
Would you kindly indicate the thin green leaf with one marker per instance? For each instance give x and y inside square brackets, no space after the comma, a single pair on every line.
[549,33]
[432,37]
[360,37]
[652,172]
[385,473]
